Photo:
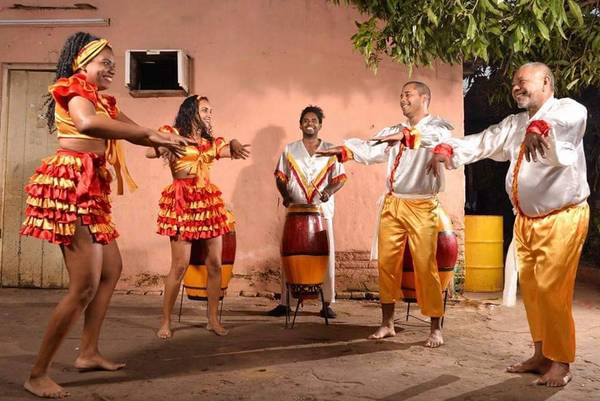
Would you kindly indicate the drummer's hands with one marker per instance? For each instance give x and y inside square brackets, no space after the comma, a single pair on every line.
[334,151]
[325,196]
[287,201]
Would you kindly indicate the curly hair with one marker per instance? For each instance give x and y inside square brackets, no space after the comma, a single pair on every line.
[64,68]
[313,109]
[188,121]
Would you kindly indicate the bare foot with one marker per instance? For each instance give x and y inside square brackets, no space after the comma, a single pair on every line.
[45,387]
[535,364]
[217,329]
[435,339]
[558,375]
[97,362]
[383,332]
[164,332]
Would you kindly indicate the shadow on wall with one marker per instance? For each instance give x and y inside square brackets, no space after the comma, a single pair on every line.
[259,223]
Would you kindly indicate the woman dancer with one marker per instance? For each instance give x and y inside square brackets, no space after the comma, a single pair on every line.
[191,207]
[68,199]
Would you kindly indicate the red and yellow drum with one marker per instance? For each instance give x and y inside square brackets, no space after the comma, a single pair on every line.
[447,253]
[304,247]
[196,275]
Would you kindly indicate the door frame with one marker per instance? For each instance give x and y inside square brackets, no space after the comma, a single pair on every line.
[4,108]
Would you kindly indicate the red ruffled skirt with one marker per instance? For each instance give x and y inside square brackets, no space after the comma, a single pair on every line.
[192,212]
[69,186]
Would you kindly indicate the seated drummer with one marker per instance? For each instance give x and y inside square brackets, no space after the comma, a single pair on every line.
[409,212]
[304,178]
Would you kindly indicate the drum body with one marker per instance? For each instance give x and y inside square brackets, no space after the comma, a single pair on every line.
[446,255]
[304,246]
[196,275]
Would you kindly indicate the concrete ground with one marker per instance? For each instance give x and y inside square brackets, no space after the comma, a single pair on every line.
[260,360]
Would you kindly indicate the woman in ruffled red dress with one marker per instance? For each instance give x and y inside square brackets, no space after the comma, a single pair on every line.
[68,199]
[191,207]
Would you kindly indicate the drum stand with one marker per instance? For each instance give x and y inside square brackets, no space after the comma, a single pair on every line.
[221,300]
[301,291]
[445,292]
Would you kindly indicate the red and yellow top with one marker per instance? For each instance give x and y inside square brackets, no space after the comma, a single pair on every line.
[62,91]
[197,158]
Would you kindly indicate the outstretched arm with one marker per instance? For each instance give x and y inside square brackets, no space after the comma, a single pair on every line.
[235,150]
[488,144]
[84,116]
[441,154]
[558,135]
[124,118]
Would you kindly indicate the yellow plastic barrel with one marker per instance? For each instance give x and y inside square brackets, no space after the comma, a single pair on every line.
[484,262]
[196,278]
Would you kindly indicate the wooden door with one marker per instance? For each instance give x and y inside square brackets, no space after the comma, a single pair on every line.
[26,261]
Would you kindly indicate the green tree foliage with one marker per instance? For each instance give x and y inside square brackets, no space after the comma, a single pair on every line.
[489,37]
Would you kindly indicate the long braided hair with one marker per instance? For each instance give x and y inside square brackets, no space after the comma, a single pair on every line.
[64,68]
[188,121]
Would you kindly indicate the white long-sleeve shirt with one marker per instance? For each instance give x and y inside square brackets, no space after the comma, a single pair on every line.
[551,183]
[406,177]
[302,173]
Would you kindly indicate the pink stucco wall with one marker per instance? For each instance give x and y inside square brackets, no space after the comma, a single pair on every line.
[260,62]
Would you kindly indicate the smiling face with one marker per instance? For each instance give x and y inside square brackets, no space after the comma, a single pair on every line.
[531,87]
[205,113]
[412,102]
[310,124]
[101,70]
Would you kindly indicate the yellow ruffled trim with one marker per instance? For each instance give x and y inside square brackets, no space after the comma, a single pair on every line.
[101,228]
[63,183]
[190,205]
[66,229]
[189,229]
[202,216]
[44,203]
[63,160]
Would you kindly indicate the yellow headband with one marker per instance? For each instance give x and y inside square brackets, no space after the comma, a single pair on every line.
[88,52]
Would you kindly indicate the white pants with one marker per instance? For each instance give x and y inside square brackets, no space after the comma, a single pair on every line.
[329,281]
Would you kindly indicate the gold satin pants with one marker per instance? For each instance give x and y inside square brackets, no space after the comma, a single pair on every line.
[548,251]
[413,221]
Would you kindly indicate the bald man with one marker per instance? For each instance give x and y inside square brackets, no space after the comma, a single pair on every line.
[547,185]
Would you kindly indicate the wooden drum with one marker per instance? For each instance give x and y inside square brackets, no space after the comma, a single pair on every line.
[196,275]
[447,253]
[304,248]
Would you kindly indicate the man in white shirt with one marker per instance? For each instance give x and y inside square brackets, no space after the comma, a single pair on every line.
[548,188]
[410,210]
[303,177]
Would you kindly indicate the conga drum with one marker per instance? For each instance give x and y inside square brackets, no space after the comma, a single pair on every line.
[196,275]
[304,250]
[447,253]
